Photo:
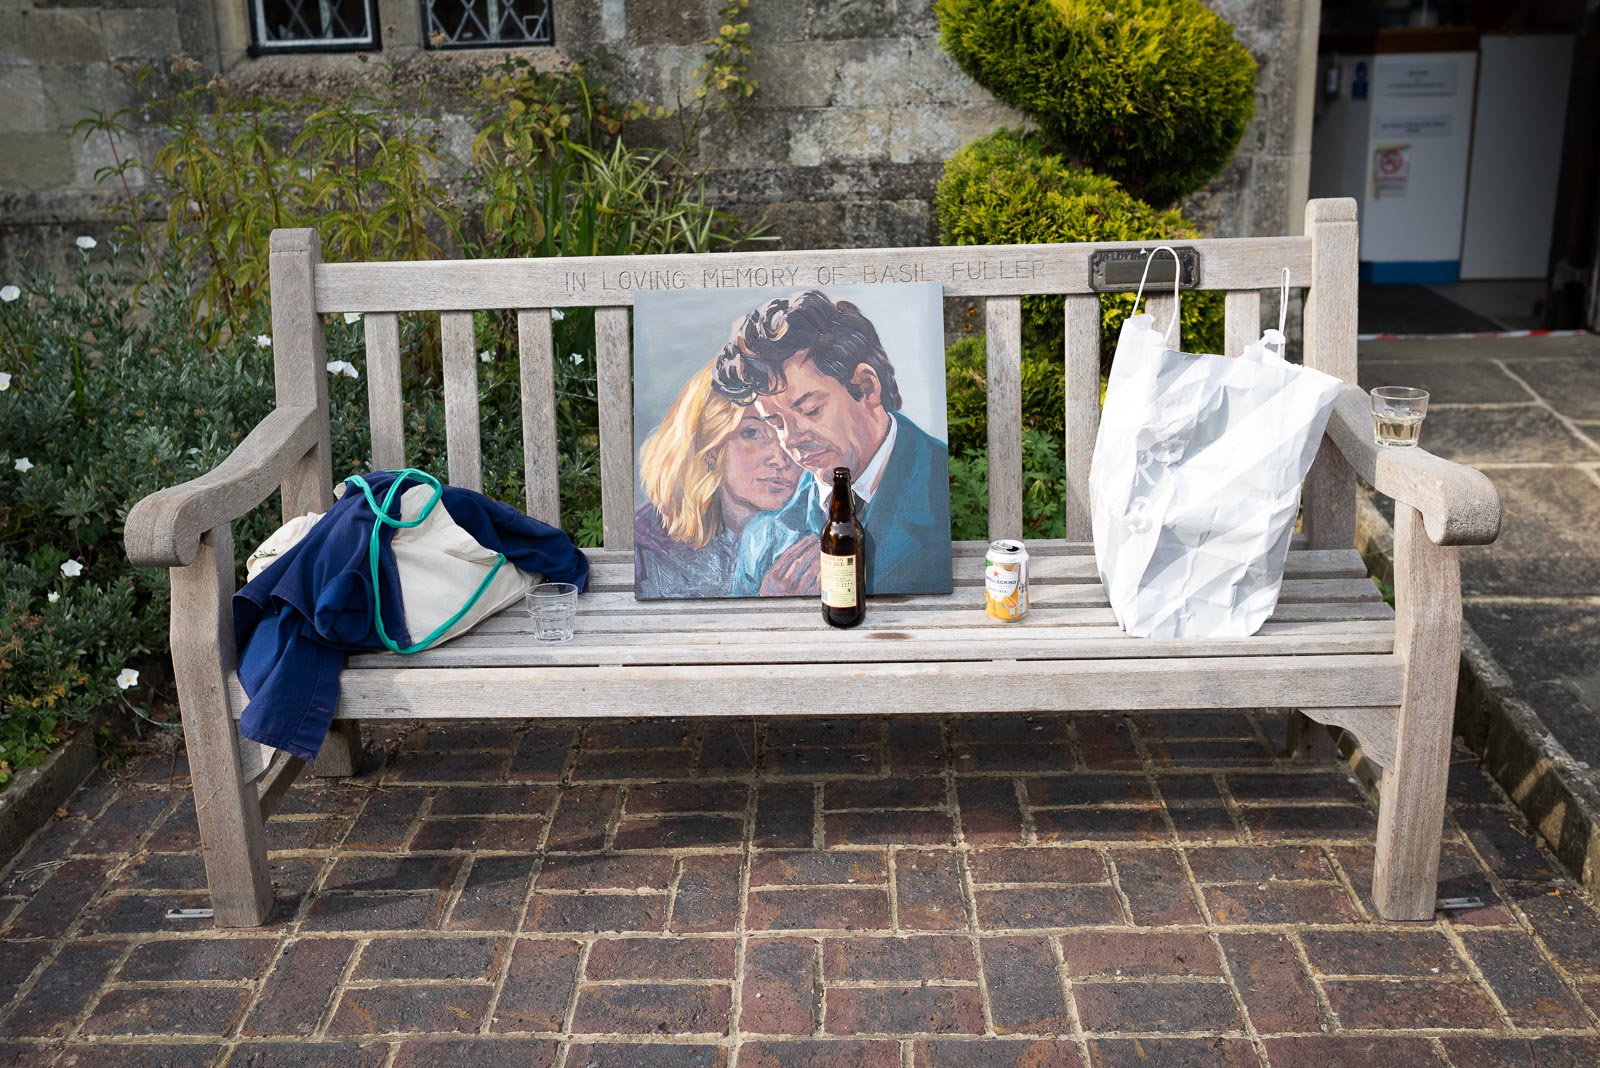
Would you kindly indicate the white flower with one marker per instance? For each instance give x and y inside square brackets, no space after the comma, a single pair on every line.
[264,340]
[343,367]
[486,356]
[86,242]
[557,314]
[9,293]
[52,597]
[352,317]
[577,357]
[23,464]
[128,677]
[5,381]
[71,569]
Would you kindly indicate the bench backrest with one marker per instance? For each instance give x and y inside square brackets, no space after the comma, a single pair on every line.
[1323,262]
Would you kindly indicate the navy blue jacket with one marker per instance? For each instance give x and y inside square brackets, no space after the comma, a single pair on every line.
[297,619]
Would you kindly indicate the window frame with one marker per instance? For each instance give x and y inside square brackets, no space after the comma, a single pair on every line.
[255,15]
[423,12]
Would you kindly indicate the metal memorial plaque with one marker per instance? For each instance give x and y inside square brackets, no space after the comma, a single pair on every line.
[1118,270]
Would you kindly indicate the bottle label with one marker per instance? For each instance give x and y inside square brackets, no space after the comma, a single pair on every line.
[838,581]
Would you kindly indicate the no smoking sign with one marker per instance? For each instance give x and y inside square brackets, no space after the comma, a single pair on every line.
[1391,170]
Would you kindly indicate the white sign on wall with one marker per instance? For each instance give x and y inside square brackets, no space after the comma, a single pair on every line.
[1412,126]
[1418,77]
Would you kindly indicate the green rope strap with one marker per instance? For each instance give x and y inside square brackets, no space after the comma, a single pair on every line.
[383,520]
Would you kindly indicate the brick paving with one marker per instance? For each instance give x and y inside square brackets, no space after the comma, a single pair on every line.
[916,893]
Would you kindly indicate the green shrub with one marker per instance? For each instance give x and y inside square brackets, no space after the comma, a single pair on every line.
[114,394]
[550,174]
[1044,490]
[1006,188]
[1155,93]
[966,371]
[59,659]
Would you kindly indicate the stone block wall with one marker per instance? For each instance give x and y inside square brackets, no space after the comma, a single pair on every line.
[857,111]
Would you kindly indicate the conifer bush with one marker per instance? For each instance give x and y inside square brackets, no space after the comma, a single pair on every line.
[1007,188]
[1153,93]
[1136,103]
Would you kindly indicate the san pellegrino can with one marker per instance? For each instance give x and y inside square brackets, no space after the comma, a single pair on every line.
[1005,580]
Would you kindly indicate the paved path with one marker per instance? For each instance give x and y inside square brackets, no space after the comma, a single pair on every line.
[1064,891]
[1527,412]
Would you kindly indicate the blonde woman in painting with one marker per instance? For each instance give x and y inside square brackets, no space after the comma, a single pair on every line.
[707,469]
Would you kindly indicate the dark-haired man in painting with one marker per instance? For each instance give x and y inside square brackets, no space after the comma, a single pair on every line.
[816,372]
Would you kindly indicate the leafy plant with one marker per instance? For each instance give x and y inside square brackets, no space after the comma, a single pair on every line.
[1154,93]
[555,178]
[1044,489]
[1007,188]
[966,389]
[364,167]
[111,394]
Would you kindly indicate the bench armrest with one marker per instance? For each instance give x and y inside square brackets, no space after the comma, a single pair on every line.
[1459,505]
[164,529]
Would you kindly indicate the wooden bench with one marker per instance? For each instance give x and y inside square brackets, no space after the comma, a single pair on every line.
[1334,650]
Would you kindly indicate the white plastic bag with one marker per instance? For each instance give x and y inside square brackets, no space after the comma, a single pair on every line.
[1195,483]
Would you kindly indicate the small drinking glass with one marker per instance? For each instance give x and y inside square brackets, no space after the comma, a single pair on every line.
[1397,413]
[553,607]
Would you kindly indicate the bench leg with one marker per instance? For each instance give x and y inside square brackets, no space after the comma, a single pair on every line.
[340,754]
[1412,794]
[232,836]
[1309,741]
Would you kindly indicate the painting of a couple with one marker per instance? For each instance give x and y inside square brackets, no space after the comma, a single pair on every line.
[739,431]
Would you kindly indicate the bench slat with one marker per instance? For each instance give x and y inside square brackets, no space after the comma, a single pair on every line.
[385,404]
[1045,565]
[597,281]
[614,383]
[1062,546]
[624,615]
[612,570]
[461,400]
[619,577]
[1003,325]
[1331,324]
[960,644]
[902,625]
[1082,407]
[1359,680]
[1301,561]
[1160,304]
[1242,320]
[540,450]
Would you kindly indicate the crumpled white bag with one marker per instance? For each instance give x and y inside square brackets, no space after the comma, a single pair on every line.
[1195,482]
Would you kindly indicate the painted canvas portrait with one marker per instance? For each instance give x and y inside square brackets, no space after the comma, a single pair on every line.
[745,400]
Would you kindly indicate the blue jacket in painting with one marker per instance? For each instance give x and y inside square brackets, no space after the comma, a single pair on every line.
[297,619]
[907,522]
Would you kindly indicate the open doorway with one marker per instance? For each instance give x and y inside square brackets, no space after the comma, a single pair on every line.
[1465,129]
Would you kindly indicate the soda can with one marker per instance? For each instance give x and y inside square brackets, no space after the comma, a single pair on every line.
[1005,580]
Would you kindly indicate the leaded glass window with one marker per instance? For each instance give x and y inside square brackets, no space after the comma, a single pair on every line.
[314,25]
[486,23]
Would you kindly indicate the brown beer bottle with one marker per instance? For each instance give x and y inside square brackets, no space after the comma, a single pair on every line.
[844,559]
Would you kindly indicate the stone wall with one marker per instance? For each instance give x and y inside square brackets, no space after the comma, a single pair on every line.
[858,106]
